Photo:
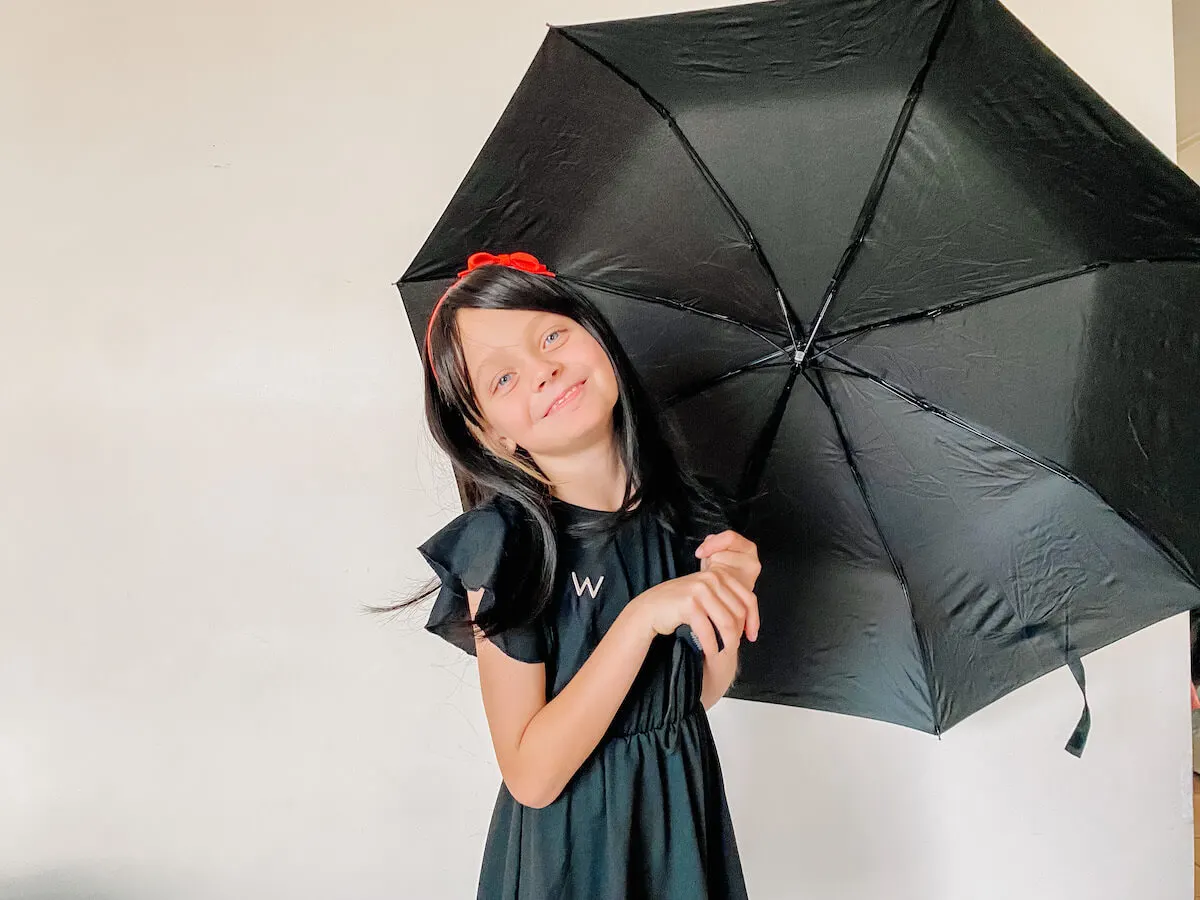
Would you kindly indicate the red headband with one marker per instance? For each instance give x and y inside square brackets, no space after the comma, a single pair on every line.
[526,262]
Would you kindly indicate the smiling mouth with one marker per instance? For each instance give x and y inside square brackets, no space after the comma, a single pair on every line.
[566,398]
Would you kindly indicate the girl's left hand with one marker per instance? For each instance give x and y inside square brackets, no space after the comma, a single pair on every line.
[739,554]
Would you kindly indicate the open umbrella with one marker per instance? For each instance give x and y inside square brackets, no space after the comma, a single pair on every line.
[913,292]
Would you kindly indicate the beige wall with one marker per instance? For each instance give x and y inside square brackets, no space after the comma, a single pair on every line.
[1186,19]
[1189,160]
[211,452]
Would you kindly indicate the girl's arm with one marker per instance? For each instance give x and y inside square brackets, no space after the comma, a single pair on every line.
[540,745]
[719,672]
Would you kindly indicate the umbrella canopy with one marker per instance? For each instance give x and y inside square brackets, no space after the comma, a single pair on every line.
[913,292]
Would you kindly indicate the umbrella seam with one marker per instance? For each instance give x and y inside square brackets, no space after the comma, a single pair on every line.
[673,304]
[755,365]
[1027,285]
[847,451]
[756,462]
[870,205]
[959,305]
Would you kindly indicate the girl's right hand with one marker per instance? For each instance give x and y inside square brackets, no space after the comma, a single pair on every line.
[698,600]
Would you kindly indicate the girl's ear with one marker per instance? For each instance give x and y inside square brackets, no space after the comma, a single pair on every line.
[491,441]
[497,444]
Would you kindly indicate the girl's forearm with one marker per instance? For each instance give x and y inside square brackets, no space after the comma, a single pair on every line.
[564,732]
[718,676]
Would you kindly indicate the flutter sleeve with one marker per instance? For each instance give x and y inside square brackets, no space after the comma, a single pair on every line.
[475,550]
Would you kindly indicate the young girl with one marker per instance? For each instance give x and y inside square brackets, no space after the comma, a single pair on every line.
[599,590]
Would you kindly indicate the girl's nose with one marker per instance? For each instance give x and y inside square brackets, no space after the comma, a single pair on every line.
[545,372]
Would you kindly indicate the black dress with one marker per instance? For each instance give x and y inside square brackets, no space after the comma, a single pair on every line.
[645,816]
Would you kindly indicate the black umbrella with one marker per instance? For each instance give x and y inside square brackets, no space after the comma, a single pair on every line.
[913,292]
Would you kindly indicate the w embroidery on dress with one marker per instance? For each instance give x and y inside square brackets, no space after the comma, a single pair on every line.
[587,583]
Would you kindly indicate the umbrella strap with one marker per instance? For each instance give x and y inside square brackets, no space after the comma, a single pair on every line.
[1080,735]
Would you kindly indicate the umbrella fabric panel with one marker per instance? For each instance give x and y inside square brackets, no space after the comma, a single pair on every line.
[722,429]
[1098,374]
[1011,567]
[838,630]
[419,299]
[582,172]
[790,106]
[1012,170]
[676,348]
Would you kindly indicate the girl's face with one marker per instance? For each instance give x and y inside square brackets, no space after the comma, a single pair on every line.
[541,380]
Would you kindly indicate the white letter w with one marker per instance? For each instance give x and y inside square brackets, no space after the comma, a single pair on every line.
[587,583]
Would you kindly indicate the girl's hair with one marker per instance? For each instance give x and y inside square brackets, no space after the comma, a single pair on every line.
[655,476]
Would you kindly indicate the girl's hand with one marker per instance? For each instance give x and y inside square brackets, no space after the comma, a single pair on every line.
[740,556]
[699,600]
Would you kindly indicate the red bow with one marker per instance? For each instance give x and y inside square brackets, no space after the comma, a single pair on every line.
[526,262]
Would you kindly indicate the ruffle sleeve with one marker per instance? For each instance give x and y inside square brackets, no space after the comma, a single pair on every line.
[476,550]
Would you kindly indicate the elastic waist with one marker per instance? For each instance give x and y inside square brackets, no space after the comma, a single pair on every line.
[667,727]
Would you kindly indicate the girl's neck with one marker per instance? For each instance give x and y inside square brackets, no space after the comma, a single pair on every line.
[594,478]
[608,501]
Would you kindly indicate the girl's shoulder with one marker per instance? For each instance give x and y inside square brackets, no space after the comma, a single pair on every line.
[473,544]
[483,547]
[494,514]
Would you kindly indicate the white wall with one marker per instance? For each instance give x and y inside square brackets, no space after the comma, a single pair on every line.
[211,452]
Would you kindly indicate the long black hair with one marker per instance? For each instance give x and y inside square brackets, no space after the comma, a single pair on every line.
[656,482]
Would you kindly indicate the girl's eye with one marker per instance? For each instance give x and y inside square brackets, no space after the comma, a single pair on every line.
[499,383]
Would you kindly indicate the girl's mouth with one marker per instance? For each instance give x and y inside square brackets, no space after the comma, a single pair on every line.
[570,396]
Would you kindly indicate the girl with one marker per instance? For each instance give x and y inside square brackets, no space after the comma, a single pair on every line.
[600,641]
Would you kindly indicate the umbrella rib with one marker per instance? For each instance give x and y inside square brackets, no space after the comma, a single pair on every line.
[1169,553]
[756,462]
[673,304]
[701,387]
[871,204]
[1029,285]
[926,663]
[859,372]
[956,305]
[789,317]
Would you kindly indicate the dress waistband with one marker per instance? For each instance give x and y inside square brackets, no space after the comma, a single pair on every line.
[668,728]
